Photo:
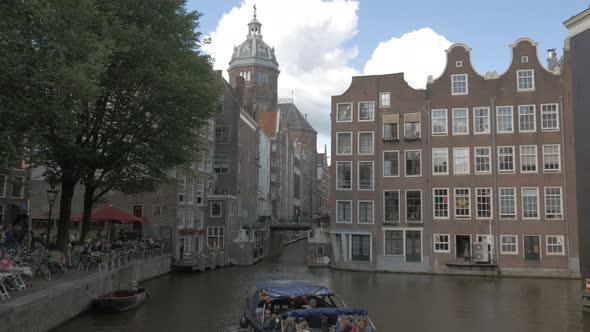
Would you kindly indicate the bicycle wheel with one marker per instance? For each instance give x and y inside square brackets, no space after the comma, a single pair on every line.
[46,272]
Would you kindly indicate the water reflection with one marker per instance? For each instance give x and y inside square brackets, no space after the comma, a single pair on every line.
[213,301]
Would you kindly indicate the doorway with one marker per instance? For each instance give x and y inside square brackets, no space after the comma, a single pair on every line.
[462,245]
[413,246]
[532,248]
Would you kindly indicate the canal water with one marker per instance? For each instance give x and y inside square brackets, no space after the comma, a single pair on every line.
[214,300]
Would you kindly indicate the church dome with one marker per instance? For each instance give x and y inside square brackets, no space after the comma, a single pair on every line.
[254,51]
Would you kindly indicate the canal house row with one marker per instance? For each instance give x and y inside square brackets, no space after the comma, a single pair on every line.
[474,174]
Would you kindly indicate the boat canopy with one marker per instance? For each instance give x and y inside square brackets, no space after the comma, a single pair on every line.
[283,288]
[318,312]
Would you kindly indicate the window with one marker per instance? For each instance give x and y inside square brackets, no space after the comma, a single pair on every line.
[483,157]
[344,175]
[274,163]
[528,159]
[190,190]
[365,212]
[215,237]
[344,143]
[441,203]
[549,117]
[481,120]
[526,80]
[394,242]
[366,111]
[344,212]
[215,209]
[365,142]
[460,121]
[530,203]
[361,248]
[182,190]
[3,185]
[390,163]
[365,176]
[504,119]
[1,213]
[458,64]
[391,206]
[390,132]
[384,99]
[441,243]
[439,122]
[461,160]
[245,75]
[156,210]
[526,118]
[261,77]
[339,244]
[222,135]
[440,161]
[459,84]
[273,177]
[344,112]
[273,147]
[413,167]
[18,187]
[137,210]
[413,206]
[553,203]
[551,158]
[507,203]
[555,245]
[221,164]
[412,128]
[509,244]
[462,203]
[483,203]
[505,159]
[524,59]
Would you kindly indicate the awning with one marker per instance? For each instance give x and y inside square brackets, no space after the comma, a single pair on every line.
[109,213]
[390,118]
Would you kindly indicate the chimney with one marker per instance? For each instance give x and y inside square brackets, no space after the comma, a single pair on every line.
[551,59]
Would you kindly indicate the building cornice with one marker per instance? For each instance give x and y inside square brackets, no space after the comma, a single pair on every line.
[578,23]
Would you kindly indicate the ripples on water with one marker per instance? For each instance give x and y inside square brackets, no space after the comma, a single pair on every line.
[214,300]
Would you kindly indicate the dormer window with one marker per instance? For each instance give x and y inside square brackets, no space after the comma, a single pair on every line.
[459,84]
[525,80]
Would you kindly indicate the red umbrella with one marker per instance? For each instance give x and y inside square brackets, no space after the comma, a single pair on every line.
[109,213]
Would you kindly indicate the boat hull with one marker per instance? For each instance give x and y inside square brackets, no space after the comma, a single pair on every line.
[121,300]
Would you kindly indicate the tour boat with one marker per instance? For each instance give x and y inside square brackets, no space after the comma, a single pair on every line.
[301,300]
[121,300]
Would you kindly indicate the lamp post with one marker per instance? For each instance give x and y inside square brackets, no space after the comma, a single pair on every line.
[51,197]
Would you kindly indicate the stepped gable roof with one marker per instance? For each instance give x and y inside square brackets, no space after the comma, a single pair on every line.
[269,123]
[292,117]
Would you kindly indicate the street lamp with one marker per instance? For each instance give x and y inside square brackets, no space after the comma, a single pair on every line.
[51,197]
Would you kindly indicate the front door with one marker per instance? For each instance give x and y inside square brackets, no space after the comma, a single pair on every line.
[532,248]
[413,246]
[462,246]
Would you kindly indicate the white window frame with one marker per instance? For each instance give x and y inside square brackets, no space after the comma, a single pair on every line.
[398,164]
[338,133]
[489,157]
[403,230]
[351,177]
[446,150]
[448,204]
[397,131]
[500,170]
[228,141]
[491,196]
[220,209]
[558,216]
[466,85]
[558,170]
[399,211]
[540,245]
[3,189]
[435,242]
[536,159]
[532,88]
[421,207]
[511,119]
[358,212]
[227,158]
[22,188]
[359,143]
[405,161]
[556,117]
[359,111]
[439,133]
[454,110]
[468,201]
[455,172]
[217,235]
[514,206]
[522,203]
[337,210]
[2,213]
[547,245]
[381,104]
[502,237]
[524,59]
[458,64]
[488,130]
[419,125]
[351,112]
[358,175]
[520,130]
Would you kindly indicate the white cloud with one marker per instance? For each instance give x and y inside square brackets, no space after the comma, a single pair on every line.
[418,54]
[309,38]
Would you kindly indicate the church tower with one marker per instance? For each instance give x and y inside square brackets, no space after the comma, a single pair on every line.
[256,62]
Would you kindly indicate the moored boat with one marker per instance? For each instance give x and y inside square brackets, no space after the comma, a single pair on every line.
[121,300]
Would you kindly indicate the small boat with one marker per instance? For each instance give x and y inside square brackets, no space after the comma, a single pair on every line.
[121,300]
[288,301]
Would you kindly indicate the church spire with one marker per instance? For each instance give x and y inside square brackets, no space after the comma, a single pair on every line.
[254,27]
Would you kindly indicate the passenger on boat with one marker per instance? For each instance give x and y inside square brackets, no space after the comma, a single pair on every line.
[344,324]
[362,325]
[303,327]
[272,324]
[289,325]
